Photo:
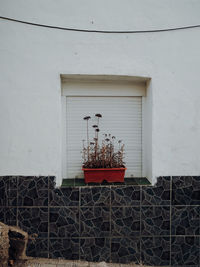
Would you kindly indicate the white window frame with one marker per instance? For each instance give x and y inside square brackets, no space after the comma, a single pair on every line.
[75,85]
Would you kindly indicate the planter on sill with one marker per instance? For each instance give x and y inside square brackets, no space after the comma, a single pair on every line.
[110,175]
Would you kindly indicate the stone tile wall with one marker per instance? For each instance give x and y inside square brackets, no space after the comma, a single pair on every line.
[154,225]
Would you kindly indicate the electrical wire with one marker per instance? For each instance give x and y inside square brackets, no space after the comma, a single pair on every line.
[100,31]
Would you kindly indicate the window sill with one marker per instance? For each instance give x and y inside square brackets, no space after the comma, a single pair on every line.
[127,181]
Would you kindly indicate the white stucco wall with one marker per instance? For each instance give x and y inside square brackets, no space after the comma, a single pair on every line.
[32,59]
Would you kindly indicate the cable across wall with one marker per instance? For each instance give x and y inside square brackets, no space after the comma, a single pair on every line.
[101,31]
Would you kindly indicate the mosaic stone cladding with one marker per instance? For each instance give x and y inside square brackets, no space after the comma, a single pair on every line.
[95,249]
[186,190]
[186,220]
[8,191]
[154,225]
[125,250]
[64,222]
[125,195]
[155,220]
[33,192]
[95,222]
[95,196]
[64,248]
[155,250]
[157,195]
[185,250]
[125,221]
[34,220]
[38,249]
[64,197]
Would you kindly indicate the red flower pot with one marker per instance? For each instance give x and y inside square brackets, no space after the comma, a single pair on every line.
[99,175]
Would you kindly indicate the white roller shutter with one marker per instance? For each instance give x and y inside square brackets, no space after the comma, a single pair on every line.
[122,117]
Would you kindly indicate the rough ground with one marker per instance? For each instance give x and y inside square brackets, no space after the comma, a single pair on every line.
[13,242]
[4,244]
[65,263]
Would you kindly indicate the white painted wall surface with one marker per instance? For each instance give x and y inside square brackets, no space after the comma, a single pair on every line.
[32,59]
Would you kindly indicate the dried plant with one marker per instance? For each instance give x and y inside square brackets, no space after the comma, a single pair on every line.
[87,118]
[104,155]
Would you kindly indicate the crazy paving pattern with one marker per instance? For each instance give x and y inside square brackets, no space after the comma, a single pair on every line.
[155,225]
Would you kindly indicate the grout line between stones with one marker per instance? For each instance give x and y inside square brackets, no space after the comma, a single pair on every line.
[122,236]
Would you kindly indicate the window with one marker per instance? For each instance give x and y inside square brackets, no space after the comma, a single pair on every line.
[121,104]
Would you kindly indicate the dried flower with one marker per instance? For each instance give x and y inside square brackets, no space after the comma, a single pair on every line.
[104,155]
[98,115]
[87,118]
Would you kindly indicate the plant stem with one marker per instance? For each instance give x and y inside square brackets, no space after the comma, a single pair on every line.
[87,141]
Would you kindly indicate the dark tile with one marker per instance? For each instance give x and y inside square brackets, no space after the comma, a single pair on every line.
[33,191]
[8,191]
[185,250]
[64,248]
[10,216]
[12,202]
[68,196]
[155,221]
[95,249]
[185,220]
[125,221]
[68,182]
[186,190]
[12,189]
[41,182]
[3,189]
[95,196]
[142,181]
[80,182]
[52,182]
[37,248]
[95,222]
[155,251]
[114,183]
[64,222]
[2,195]
[130,181]
[159,194]
[125,195]
[34,220]
[90,184]
[105,183]
[125,250]
[2,212]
